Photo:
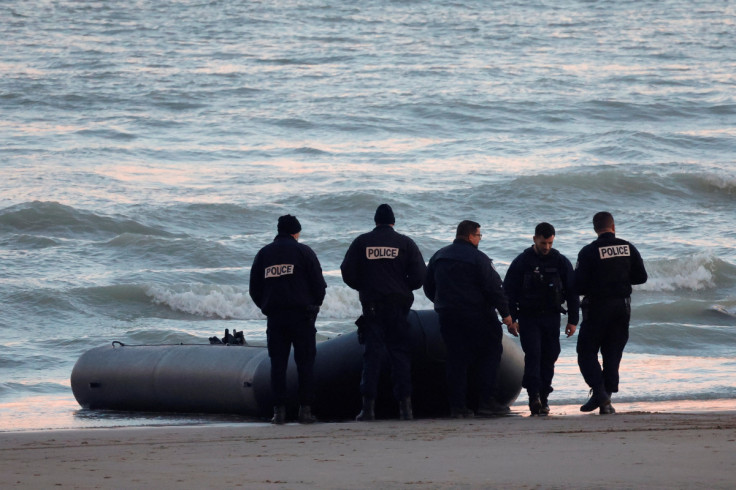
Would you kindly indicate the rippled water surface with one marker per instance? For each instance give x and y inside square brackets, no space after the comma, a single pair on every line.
[147,149]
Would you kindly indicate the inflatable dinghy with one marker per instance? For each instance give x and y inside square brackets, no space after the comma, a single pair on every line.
[236,379]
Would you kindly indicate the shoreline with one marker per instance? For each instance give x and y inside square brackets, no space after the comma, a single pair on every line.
[624,450]
[67,415]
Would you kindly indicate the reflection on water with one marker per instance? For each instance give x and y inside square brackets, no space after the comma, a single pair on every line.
[649,378]
[669,406]
[63,412]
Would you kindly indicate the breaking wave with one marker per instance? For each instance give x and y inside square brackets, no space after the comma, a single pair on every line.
[695,273]
[231,302]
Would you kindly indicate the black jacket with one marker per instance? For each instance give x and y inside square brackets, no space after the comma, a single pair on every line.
[286,275]
[608,267]
[462,278]
[539,284]
[383,264]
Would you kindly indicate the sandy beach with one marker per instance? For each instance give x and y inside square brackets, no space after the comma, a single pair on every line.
[629,450]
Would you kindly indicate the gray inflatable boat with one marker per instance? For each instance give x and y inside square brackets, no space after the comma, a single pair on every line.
[236,379]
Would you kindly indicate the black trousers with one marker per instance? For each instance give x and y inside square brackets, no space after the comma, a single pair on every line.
[284,329]
[387,335]
[605,329]
[540,340]
[472,341]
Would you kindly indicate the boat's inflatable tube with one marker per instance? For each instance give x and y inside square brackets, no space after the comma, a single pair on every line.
[236,379]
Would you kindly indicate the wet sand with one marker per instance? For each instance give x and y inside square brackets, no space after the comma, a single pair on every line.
[625,450]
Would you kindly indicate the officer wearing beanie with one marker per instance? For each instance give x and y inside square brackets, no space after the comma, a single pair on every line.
[384,267]
[286,283]
[537,283]
[605,271]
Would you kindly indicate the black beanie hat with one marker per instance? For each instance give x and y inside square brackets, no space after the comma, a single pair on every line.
[384,215]
[289,224]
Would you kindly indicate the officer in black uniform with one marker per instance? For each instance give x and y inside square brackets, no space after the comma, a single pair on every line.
[385,267]
[286,283]
[537,283]
[605,271]
[466,289]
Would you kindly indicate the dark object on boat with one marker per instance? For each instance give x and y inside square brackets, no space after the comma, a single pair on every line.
[236,338]
[222,379]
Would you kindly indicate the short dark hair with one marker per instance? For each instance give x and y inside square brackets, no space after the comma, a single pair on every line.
[544,230]
[602,221]
[466,228]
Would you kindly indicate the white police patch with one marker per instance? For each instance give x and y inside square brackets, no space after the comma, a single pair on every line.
[279,270]
[613,251]
[374,253]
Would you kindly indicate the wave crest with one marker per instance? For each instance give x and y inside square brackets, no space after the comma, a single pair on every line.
[694,272]
[60,220]
[208,300]
[229,302]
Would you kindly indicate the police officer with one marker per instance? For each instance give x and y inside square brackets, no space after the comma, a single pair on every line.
[537,283]
[466,289]
[605,271]
[385,267]
[286,283]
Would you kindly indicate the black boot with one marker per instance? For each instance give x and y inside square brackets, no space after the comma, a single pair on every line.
[405,412]
[598,399]
[279,415]
[544,399]
[591,404]
[305,415]
[368,412]
[606,407]
[535,404]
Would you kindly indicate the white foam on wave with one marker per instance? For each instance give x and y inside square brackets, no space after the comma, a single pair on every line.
[726,182]
[218,301]
[209,300]
[693,272]
[229,302]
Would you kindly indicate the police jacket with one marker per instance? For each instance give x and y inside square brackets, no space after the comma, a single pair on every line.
[286,275]
[384,265]
[608,267]
[462,278]
[538,285]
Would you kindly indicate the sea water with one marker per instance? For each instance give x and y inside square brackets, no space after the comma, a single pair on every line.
[148,148]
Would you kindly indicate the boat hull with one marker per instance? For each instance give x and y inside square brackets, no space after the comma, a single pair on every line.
[236,379]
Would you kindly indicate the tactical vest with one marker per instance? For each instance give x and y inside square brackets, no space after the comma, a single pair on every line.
[542,291]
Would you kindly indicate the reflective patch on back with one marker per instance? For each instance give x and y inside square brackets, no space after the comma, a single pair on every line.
[279,270]
[613,251]
[374,253]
